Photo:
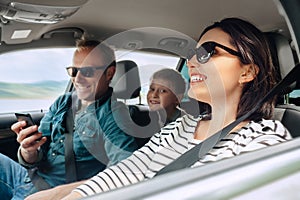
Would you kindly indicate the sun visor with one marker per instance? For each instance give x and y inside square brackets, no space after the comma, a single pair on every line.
[33,13]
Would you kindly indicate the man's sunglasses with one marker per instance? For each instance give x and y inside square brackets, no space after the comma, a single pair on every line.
[207,49]
[84,71]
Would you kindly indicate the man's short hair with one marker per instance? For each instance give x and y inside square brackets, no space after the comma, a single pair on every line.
[108,53]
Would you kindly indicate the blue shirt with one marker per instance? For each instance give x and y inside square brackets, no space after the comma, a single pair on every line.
[101,137]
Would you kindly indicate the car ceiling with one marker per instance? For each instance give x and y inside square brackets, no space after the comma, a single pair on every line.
[101,19]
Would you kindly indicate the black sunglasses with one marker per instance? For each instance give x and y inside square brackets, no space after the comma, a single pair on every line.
[207,49]
[85,71]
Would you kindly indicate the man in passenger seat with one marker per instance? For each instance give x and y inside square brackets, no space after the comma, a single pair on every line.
[165,93]
[100,135]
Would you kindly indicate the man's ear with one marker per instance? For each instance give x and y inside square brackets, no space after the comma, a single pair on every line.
[249,72]
[110,72]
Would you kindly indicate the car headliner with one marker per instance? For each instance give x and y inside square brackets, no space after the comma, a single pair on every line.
[103,18]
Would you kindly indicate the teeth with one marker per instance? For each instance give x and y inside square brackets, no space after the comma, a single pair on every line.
[154,102]
[196,78]
[81,87]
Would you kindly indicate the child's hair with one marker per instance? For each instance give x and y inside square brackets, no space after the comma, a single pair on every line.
[174,77]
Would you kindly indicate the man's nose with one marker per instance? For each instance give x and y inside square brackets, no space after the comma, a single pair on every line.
[78,77]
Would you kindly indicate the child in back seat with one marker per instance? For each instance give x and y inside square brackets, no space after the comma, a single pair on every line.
[166,91]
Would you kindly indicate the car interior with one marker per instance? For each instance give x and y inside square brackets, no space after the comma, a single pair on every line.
[169,29]
[283,59]
[127,85]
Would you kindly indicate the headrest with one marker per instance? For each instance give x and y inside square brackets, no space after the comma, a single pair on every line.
[126,81]
[282,55]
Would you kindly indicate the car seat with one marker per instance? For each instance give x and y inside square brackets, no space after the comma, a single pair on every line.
[282,55]
[126,84]
[126,81]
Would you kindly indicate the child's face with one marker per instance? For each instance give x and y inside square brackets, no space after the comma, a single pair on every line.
[161,96]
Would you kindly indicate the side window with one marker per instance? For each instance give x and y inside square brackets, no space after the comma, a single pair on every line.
[185,74]
[148,63]
[32,79]
[294,97]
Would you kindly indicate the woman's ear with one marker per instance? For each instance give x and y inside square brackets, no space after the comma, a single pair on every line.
[249,72]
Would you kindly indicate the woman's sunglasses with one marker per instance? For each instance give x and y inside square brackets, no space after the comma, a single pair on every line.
[207,49]
[84,71]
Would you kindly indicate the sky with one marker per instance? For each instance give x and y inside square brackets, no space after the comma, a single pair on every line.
[35,65]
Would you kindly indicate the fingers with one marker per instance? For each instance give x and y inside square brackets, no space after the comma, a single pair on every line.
[26,133]
[28,138]
[32,143]
[17,127]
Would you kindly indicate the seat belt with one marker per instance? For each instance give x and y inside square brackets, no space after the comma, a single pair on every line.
[193,155]
[70,165]
[38,182]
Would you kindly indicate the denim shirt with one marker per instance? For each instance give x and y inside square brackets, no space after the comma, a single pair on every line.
[99,138]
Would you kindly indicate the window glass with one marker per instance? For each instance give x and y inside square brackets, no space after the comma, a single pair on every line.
[294,97]
[295,94]
[148,63]
[185,74]
[32,79]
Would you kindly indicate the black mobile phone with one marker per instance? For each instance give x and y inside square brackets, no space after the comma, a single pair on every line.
[25,117]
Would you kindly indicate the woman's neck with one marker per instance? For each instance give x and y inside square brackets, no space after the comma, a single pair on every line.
[221,116]
[224,110]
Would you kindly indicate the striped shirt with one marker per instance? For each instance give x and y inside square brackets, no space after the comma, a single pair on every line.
[175,139]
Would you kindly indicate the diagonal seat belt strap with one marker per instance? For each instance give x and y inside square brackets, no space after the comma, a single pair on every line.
[70,165]
[190,157]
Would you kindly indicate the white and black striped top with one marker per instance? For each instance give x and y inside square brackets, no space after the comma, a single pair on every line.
[174,140]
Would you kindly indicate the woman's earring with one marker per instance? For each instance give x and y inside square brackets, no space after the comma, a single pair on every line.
[241,84]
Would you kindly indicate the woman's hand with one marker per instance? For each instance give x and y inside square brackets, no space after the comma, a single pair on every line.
[59,192]
[72,195]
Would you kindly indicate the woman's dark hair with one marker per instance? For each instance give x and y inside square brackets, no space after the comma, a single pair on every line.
[254,48]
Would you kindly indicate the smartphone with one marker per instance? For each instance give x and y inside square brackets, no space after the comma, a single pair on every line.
[26,117]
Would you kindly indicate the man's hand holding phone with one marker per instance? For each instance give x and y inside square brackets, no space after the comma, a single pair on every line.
[28,136]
